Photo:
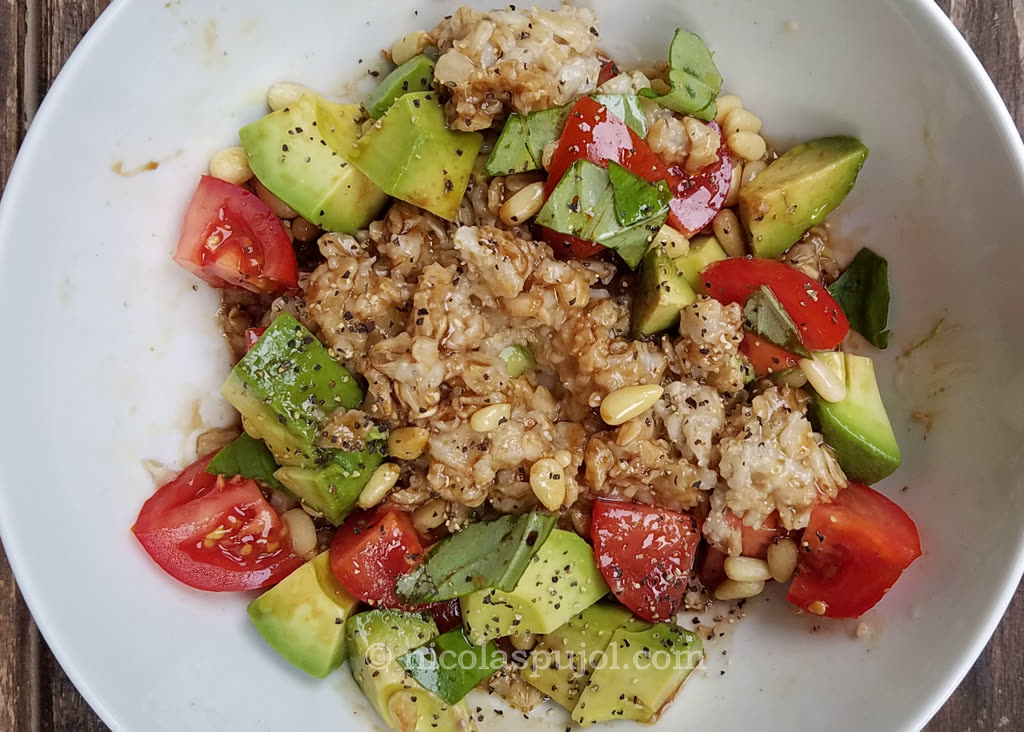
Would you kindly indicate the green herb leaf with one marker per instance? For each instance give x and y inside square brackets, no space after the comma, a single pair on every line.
[627,108]
[862,291]
[636,200]
[486,554]
[432,665]
[247,457]
[764,315]
[693,76]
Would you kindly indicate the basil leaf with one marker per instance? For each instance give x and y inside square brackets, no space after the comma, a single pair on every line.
[764,315]
[248,457]
[636,200]
[486,554]
[431,665]
[862,291]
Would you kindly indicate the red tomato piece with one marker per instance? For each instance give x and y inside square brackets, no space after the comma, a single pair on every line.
[447,615]
[712,567]
[231,239]
[252,335]
[764,356]
[698,198]
[818,317]
[757,541]
[645,554]
[609,70]
[371,550]
[595,134]
[568,246]
[215,534]
[854,549]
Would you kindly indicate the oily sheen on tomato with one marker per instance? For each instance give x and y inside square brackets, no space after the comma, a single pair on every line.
[371,550]
[853,550]
[645,554]
[215,534]
[230,238]
[816,314]
[764,356]
[698,197]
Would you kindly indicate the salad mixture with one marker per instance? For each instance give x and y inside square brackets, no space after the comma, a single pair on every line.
[533,353]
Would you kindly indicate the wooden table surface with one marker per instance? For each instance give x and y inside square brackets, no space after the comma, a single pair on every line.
[36,37]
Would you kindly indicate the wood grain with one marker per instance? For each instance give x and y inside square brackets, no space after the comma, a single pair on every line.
[35,695]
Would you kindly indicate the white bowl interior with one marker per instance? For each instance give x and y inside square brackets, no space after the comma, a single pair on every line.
[117,349]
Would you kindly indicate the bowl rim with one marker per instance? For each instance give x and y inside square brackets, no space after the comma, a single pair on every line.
[926,12]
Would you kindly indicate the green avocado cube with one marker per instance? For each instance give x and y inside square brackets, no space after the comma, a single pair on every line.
[303,617]
[285,386]
[413,155]
[376,640]
[642,671]
[301,153]
[704,250]
[450,666]
[661,294]
[858,427]
[562,662]
[416,74]
[798,191]
[561,581]
[334,490]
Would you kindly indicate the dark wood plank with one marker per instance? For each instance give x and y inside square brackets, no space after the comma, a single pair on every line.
[40,698]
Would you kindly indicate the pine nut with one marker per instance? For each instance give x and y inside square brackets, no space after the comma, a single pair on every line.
[430,515]
[284,94]
[782,557]
[518,181]
[303,230]
[409,46]
[729,233]
[231,164]
[277,207]
[302,531]
[748,145]
[486,419]
[547,479]
[524,205]
[672,240]
[740,120]
[407,443]
[628,432]
[564,458]
[628,402]
[747,569]
[733,196]
[751,170]
[379,485]
[793,378]
[824,380]
[726,104]
[730,589]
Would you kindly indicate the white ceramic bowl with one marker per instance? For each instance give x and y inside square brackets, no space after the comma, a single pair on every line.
[112,355]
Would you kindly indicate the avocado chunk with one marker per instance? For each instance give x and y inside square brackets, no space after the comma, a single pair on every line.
[858,428]
[561,581]
[334,490]
[248,457]
[285,386]
[704,250]
[300,154]
[563,661]
[376,639]
[450,666]
[798,191]
[412,155]
[612,207]
[484,554]
[518,359]
[416,74]
[662,292]
[303,617]
[645,670]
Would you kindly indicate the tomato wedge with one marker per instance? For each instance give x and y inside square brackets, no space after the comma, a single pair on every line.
[371,550]
[645,554]
[818,317]
[595,134]
[215,534]
[231,239]
[697,198]
[252,335]
[568,245]
[854,549]
[608,70]
[764,356]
